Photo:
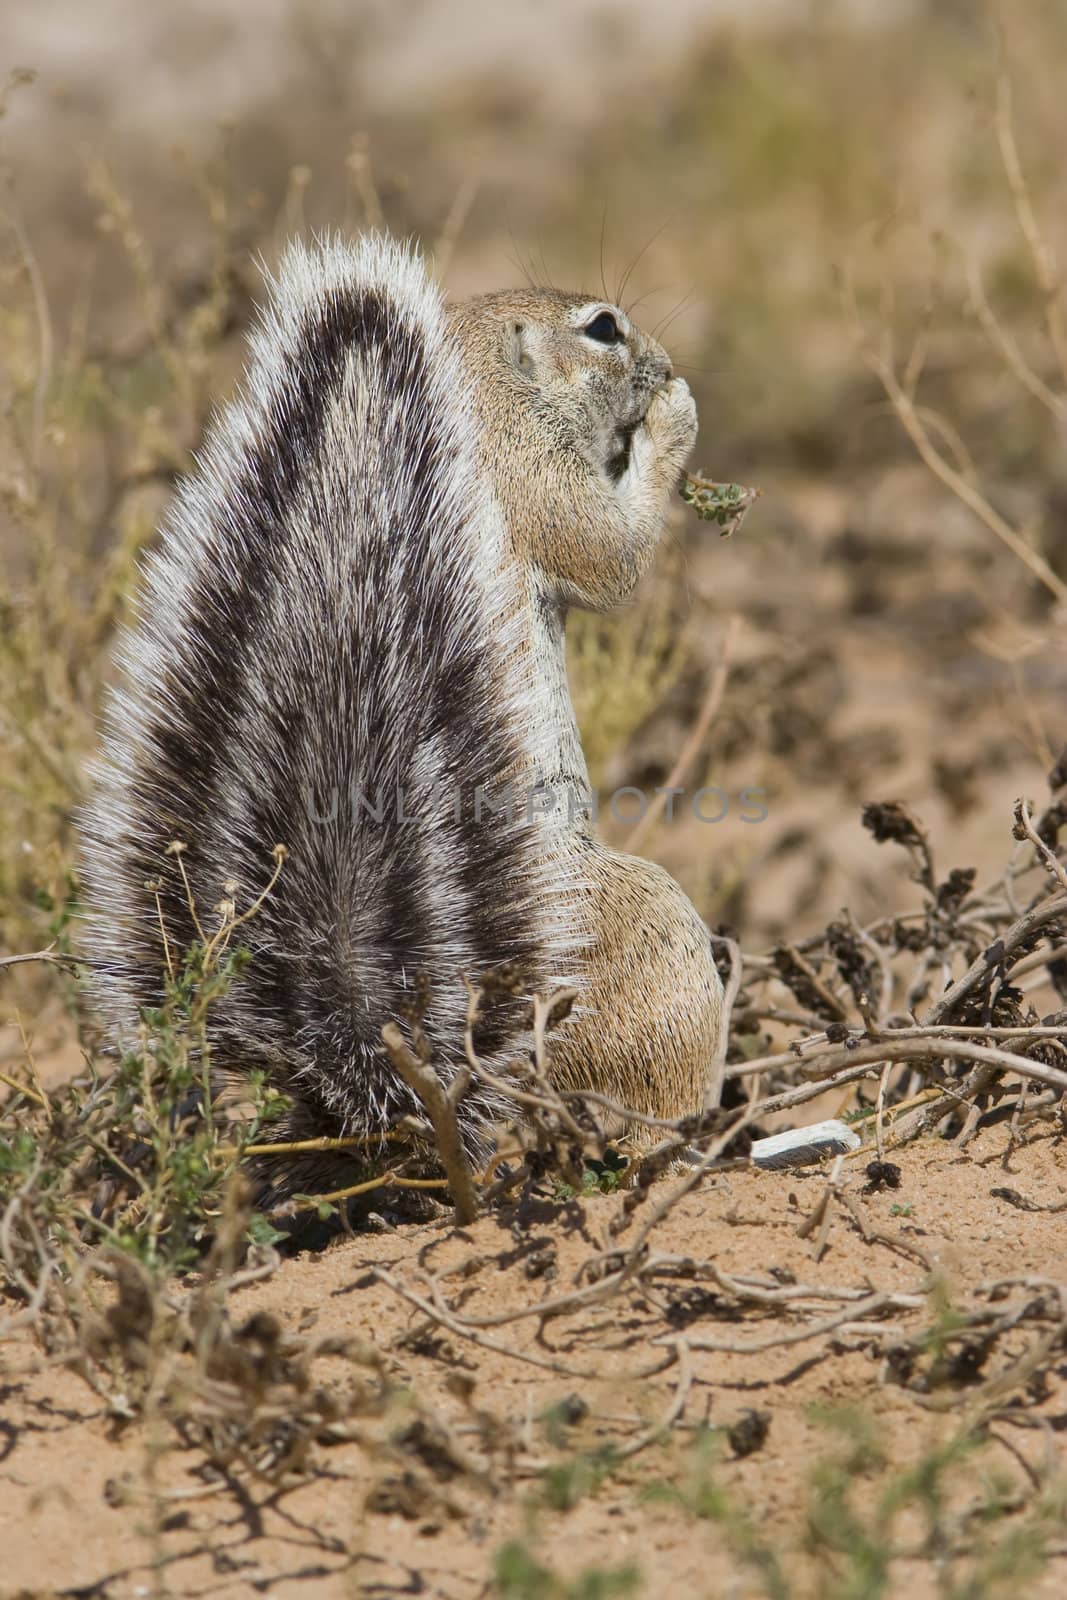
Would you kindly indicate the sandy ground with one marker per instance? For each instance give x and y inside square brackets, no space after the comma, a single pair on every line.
[351,1525]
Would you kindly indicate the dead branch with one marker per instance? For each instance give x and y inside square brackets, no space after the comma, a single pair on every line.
[440,1104]
[439,1314]
[872,1305]
[916,427]
[56,957]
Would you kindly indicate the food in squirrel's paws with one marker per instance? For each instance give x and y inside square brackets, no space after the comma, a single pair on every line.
[725,503]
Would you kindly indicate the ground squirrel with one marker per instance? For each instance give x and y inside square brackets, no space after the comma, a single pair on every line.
[350,640]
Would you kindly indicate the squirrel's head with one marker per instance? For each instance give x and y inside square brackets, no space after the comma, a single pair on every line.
[565,384]
[580,364]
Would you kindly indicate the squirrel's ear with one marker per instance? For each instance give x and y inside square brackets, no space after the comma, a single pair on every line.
[518,348]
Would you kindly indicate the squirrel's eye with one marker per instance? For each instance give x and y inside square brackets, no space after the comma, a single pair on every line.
[603,328]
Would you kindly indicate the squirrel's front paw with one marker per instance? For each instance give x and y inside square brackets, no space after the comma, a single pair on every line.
[672,423]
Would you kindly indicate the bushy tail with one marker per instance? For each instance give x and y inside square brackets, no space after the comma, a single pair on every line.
[323,659]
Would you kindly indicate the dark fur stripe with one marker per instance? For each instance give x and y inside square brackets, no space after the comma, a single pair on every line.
[204,696]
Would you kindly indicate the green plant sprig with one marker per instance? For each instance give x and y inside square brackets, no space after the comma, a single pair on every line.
[725,503]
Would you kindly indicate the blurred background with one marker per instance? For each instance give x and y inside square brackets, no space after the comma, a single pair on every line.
[846,219]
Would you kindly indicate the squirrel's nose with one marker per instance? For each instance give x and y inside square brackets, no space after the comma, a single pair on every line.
[655,370]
